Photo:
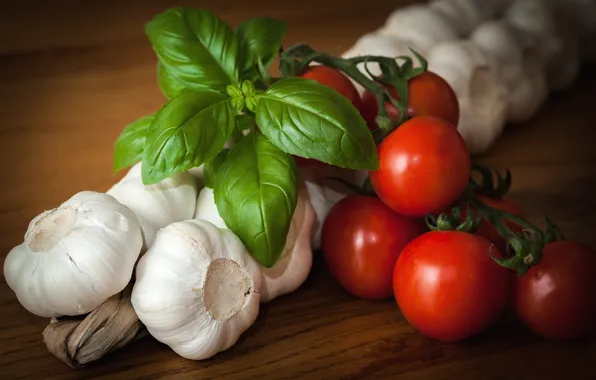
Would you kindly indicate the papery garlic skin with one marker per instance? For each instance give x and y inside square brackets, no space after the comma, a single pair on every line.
[197,289]
[295,263]
[482,96]
[157,205]
[420,26]
[75,256]
[294,266]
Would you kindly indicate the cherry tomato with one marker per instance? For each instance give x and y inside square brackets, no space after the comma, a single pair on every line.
[488,231]
[361,240]
[556,299]
[428,94]
[448,287]
[333,78]
[424,166]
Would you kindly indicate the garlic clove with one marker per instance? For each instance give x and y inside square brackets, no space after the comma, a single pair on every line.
[197,289]
[75,257]
[419,25]
[199,174]
[294,266]
[482,96]
[157,205]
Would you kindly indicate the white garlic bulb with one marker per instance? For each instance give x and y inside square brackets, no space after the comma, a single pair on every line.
[293,267]
[295,264]
[481,94]
[157,205]
[197,289]
[419,25]
[75,257]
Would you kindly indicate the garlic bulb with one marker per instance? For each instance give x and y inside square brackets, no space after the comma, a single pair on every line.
[421,26]
[380,45]
[75,256]
[465,15]
[530,92]
[156,206]
[482,96]
[293,267]
[197,289]
[520,72]
[534,27]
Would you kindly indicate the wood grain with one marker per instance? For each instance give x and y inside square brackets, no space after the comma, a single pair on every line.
[72,74]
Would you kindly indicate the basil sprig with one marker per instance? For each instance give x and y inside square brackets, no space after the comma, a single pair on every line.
[219,91]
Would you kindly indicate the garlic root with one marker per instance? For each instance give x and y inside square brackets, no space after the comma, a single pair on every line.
[197,289]
[75,257]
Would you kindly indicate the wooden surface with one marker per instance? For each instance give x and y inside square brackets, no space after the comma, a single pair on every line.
[71,77]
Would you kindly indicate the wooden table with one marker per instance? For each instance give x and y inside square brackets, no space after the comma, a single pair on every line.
[71,77]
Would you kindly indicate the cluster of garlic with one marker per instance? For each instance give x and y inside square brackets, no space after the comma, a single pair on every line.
[196,289]
[502,57]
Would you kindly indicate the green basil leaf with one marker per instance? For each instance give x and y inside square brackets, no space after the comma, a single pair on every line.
[187,131]
[170,86]
[213,167]
[308,119]
[256,194]
[259,37]
[128,149]
[195,48]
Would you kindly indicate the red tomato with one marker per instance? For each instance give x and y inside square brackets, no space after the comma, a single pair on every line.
[428,94]
[361,240]
[556,299]
[424,166]
[488,231]
[333,78]
[448,287]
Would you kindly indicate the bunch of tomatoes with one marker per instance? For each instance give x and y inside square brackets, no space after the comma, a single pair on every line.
[445,282]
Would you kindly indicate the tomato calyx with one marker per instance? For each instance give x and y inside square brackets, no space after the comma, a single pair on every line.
[492,183]
[295,59]
[453,221]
